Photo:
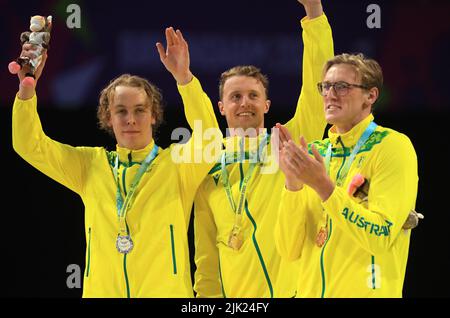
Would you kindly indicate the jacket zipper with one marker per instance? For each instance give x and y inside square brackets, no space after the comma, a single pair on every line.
[255,243]
[125,267]
[344,156]
[127,283]
[258,251]
[322,267]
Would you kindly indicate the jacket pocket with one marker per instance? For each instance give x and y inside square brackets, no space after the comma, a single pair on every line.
[174,259]
[88,262]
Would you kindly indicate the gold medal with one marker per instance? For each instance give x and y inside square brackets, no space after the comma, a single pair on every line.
[236,239]
[322,236]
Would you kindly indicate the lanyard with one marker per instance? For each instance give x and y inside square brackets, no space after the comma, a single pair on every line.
[322,236]
[226,182]
[362,140]
[123,206]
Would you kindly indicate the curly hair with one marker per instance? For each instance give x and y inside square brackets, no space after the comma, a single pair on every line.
[107,94]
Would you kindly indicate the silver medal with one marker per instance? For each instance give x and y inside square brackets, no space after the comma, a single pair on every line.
[124,244]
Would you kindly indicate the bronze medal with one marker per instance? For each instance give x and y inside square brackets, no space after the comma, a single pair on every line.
[322,236]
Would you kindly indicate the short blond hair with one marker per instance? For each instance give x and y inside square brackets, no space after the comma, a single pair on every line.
[154,97]
[246,70]
[368,69]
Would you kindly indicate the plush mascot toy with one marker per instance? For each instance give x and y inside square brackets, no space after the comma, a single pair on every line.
[359,188]
[40,38]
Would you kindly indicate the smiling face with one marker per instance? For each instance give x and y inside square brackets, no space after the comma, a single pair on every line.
[244,102]
[131,117]
[347,111]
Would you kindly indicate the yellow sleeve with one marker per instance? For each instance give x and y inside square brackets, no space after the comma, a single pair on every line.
[207,275]
[290,231]
[63,163]
[392,195]
[197,105]
[309,119]
[203,149]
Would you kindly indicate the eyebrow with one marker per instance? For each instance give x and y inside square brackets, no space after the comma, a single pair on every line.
[240,92]
[134,106]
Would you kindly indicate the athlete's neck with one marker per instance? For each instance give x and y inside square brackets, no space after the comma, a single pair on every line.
[249,132]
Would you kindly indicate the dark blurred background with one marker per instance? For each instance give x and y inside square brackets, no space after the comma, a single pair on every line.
[42,222]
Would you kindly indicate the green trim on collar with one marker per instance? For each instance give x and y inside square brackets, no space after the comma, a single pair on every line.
[374,139]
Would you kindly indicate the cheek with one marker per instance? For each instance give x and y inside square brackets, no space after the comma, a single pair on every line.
[224,110]
[145,120]
[116,121]
[149,121]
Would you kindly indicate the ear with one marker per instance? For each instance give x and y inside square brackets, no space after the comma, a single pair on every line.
[108,118]
[266,109]
[372,96]
[221,108]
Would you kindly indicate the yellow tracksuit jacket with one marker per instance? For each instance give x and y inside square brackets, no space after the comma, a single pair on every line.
[367,249]
[158,266]
[256,270]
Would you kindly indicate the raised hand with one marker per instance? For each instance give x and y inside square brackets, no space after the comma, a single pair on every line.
[285,135]
[282,136]
[176,56]
[27,91]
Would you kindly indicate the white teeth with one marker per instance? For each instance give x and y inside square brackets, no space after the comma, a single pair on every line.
[332,107]
[245,114]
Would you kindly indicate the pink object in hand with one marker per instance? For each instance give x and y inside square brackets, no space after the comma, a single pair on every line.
[14,67]
[28,82]
[356,182]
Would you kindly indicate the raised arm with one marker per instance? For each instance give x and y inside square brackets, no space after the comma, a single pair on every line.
[65,164]
[203,149]
[309,118]
[313,8]
[175,58]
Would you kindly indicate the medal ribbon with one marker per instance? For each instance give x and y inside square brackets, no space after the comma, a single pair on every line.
[226,182]
[123,206]
[322,237]
[362,140]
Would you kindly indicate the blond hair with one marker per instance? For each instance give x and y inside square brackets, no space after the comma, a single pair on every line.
[154,97]
[246,70]
[368,69]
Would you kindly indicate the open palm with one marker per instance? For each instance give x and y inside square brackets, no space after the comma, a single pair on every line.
[176,56]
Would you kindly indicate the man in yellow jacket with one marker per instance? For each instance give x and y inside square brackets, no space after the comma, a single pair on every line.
[237,204]
[137,198]
[348,244]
